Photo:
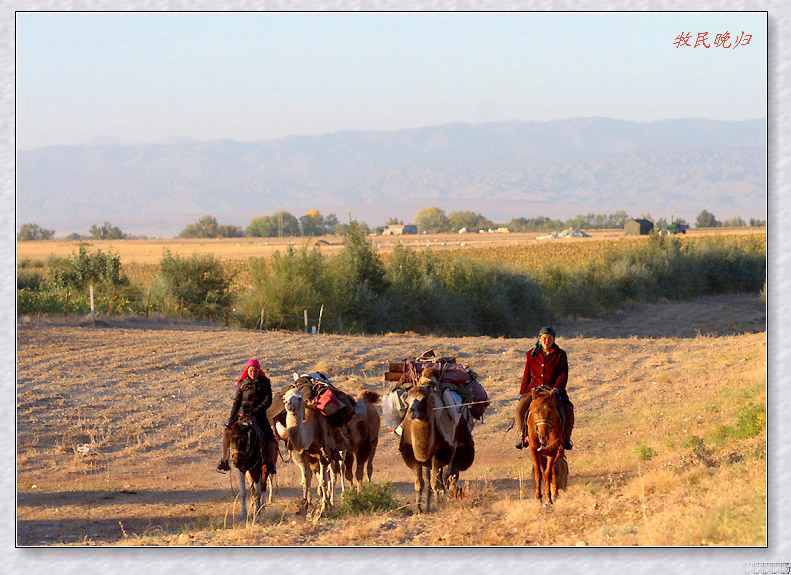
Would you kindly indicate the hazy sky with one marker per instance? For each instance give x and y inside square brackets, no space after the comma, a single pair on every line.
[253,76]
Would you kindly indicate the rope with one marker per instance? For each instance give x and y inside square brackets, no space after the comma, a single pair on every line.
[464,404]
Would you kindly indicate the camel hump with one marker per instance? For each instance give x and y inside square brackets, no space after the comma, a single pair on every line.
[369,396]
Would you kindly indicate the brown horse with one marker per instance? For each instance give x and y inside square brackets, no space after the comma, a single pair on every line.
[247,456]
[363,438]
[545,437]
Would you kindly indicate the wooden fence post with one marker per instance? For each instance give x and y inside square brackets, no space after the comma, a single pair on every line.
[340,324]
[181,308]
[148,303]
[226,317]
[93,309]
[68,294]
[110,307]
[321,312]
[306,321]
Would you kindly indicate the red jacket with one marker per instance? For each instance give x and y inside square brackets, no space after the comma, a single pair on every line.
[551,370]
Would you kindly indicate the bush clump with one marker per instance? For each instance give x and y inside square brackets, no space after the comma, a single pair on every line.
[198,282]
[370,498]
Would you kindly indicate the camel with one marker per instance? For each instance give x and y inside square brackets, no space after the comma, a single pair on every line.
[428,439]
[312,447]
[363,431]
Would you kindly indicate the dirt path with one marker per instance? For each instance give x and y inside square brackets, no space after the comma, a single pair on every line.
[147,402]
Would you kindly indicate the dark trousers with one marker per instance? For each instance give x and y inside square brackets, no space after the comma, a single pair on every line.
[567,413]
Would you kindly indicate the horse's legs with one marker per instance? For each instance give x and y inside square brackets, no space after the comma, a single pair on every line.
[242,495]
[554,478]
[258,484]
[537,474]
[272,481]
[549,467]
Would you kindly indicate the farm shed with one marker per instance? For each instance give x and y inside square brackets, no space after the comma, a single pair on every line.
[637,227]
[400,229]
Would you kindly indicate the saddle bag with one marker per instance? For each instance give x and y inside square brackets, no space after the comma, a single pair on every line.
[330,401]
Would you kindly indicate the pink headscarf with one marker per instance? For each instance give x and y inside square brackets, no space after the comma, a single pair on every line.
[250,362]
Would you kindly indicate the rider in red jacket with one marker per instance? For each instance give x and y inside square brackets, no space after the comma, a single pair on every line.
[546,365]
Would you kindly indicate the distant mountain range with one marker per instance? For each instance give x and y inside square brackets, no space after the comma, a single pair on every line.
[503,170]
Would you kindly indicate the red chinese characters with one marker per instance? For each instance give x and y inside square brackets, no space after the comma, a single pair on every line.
[722,40]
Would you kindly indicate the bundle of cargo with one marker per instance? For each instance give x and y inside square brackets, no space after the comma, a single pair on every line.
[451,377]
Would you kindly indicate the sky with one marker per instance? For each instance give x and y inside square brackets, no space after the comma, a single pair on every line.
[143,77]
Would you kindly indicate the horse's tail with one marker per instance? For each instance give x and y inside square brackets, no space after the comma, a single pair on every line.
[369,396]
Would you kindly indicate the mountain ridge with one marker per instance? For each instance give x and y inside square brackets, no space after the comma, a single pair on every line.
[501,169]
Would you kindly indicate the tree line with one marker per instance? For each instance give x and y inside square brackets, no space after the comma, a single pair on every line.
[359,291]
[429,220]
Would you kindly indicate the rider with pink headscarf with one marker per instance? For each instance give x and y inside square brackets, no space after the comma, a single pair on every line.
[253,397]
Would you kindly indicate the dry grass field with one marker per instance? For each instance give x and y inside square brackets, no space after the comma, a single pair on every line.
[660,394]
[149,251]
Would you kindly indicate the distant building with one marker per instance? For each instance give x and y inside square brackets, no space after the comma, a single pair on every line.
[399,229]
[638,227]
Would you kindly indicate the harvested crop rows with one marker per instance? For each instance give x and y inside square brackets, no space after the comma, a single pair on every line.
[146,400]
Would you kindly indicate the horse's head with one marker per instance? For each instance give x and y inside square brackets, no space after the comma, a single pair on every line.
[417,401]
[544,416]
[243,441]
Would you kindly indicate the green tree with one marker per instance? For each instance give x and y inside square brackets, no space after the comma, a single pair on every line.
[470,220]
[31,231]
[199,280]
[754,223]
[432,220]
[207,227]
[539,224]
[83,268]
[331,224]
[394,222]
[312,224]
[358,282]
[736,222]
[107,232]
[272,226]
[706,220]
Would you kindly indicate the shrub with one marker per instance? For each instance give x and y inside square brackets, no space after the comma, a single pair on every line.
[199,281]
[643,452]
[286,284]
[83,268]
[370,498]
[30,279]
[750,421]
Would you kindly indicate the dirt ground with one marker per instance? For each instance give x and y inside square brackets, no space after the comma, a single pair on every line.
[145,402]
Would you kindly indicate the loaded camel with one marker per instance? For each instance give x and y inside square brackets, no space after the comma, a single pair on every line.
[429,437]
[311,444]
